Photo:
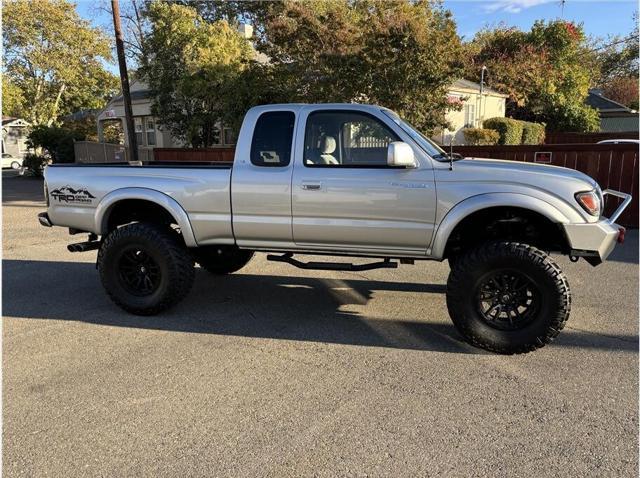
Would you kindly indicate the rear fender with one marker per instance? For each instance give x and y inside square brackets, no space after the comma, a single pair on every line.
[168,203]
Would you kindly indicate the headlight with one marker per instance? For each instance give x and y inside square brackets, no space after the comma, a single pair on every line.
[590,202]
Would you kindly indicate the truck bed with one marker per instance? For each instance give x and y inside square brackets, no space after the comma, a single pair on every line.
[80,194]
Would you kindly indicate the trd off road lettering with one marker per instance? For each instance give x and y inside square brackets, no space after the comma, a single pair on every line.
[70,195]
[359,182]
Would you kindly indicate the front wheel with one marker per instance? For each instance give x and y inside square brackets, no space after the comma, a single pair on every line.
[508,297]
[145,268]
[15,165]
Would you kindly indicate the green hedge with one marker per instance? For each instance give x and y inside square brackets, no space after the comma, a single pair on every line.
[509,129]
[513,131]
[480,136]
[532,133]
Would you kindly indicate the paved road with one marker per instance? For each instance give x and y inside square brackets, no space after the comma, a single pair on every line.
[276,371]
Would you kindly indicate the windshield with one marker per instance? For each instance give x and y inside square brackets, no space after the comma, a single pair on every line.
[430,147]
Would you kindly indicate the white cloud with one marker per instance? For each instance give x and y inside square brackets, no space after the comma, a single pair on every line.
[512,6]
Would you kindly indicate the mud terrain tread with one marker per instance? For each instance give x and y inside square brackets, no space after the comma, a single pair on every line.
[468,262]
[180,262]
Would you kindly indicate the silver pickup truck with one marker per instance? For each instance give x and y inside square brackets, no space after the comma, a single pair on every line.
[344,180]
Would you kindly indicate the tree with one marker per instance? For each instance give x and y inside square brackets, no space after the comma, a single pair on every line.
[13,103]
[542,71]
[189,64]
[54,59]
[618,64]
[624,90]
[134,25]
[400,54]
[617,57]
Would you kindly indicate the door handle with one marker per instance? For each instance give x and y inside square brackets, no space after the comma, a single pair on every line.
[311,187]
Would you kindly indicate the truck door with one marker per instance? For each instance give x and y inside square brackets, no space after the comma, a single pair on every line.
[261,180]
[346,197]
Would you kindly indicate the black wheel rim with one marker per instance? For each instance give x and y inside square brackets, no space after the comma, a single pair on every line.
[507,299]
[138,272]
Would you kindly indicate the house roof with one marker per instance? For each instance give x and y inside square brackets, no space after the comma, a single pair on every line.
[596,100]
[135,95]
[7,120]
[471,86]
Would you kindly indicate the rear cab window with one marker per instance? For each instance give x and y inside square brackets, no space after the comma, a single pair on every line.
[272,139]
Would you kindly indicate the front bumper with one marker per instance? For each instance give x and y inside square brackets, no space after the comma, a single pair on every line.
[595,241]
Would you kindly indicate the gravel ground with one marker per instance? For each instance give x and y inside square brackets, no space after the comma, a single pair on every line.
[276,371]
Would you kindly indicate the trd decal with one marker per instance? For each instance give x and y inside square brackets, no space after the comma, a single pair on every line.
[68,194]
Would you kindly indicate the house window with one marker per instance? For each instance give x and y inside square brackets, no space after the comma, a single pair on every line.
[469,116]
[151,132]
[137,123]
[229,136]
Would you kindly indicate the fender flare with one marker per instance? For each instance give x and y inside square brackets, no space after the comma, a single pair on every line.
[484,201]
[168,203]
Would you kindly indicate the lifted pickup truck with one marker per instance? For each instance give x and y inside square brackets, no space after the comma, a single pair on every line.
[344,180]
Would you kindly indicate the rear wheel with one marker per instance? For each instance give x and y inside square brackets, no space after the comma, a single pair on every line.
[145,268]
[222,259]
[508,297]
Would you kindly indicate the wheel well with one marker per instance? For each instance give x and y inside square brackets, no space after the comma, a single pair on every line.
[137,210]
[506,223]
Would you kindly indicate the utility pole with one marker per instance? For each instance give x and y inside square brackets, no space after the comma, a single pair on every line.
[480,113]
[124,81]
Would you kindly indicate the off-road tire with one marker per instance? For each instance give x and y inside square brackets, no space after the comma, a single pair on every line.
[222,259]
[162,245]
[552,286]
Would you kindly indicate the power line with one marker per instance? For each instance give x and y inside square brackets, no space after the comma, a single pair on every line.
[617,42]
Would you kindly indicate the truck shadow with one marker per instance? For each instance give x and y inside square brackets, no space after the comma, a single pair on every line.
[261,306]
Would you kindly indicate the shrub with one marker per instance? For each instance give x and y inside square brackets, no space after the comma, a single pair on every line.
[510,129]
[34,164]
[532,133]
[480,136]
[55,141]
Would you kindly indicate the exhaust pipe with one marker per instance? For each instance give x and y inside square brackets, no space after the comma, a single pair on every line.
[83,246]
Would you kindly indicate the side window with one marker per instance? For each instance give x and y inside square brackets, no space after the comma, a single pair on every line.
[272,137]
[346,139]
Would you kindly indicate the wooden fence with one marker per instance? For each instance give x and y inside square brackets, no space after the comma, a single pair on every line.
[92,152]
[563,138]
[614,166]
[194,155]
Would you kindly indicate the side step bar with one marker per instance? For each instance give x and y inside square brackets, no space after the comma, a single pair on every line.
[333,266]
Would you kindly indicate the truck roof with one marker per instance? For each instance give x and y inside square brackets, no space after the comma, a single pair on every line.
[295,107]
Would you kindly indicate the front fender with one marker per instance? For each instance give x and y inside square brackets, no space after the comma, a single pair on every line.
[171,205]
[485,201]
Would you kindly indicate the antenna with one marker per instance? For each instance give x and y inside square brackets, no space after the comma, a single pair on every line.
[562,2]
[451,153]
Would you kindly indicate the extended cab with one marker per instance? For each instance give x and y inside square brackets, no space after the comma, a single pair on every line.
[344,180]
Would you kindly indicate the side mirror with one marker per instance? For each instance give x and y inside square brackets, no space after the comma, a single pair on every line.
[400,154]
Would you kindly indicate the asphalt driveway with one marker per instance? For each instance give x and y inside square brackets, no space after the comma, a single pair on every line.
[276,371]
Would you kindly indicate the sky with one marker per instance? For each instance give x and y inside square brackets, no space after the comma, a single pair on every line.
[599,18]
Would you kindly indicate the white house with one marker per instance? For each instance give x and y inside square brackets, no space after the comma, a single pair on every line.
[476,107]
[14,136]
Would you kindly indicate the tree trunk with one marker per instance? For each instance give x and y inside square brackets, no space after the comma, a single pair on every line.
[54,111]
